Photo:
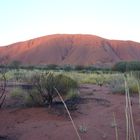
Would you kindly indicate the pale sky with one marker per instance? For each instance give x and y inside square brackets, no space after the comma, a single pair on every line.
[26,19]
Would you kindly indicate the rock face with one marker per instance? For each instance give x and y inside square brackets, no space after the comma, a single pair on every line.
[71,49]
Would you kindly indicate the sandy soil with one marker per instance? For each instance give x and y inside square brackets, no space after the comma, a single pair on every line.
[94,119]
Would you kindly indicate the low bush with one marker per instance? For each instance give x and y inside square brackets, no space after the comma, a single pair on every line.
[44,85]
[18,96]
[30,98]
[136,74]
[64,83]
[72,94]
[117,84]
[33,98]
[17,93]
[127,66]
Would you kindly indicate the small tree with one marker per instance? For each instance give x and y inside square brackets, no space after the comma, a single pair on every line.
[124,66]
[15,64]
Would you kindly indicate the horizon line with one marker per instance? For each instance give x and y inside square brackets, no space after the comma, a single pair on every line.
[40,36]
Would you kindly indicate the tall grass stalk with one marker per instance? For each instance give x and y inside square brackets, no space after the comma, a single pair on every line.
[116,127]
[74,126]
[129,116]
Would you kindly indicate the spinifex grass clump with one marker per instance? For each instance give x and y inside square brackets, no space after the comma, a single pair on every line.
[90,78]
[44,84]
[117,84]
[136,74]
[138,85]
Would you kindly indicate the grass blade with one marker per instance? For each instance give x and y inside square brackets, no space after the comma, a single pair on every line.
[74,126]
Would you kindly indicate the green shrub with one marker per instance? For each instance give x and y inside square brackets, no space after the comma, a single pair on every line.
[72,94]
[51,67]
[33,98]
[15,64]
[18,96]
[117,84]
[127,66]
[44,84]
[64,83]
[17,93]
[30,98]
[67,67]
[79,67]
[136,74]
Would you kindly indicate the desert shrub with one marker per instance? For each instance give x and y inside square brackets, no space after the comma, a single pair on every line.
[79,67]
[133,88]
[72,94]
[33,98]
[44,85]
[64,83]
[127,66]
[18,75]
[90,78]
[26,98]
[28,67]
[13,75]
[136,74]
[67,67]
[18,96]
[17,93]
[120,66]
[51,67]
[117,84]
[15,64]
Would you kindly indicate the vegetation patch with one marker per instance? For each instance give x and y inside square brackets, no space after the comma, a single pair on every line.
[44,84]
[127,66]
[117,84]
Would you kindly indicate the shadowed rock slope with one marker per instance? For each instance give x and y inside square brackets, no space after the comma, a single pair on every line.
[71,49]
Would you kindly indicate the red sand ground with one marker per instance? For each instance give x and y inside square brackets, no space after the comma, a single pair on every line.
[77,49]
[96,115]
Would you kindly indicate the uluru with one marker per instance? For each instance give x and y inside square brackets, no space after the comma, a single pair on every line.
[72,49]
